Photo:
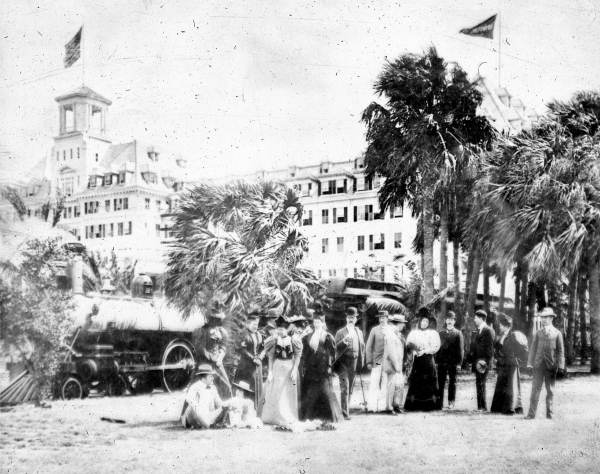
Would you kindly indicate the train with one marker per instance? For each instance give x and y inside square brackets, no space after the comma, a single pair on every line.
[133,343]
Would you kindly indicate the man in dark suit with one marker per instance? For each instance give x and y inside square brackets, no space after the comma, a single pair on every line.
[481,354]
[546,357]
[350,355]
[448,358]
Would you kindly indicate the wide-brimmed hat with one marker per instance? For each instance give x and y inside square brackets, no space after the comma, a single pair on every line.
[547,312]
[242,385]
[204,369]
[481,314]
[450,315]
[383,314]
[296,318]
[254,315]
[397,318]
[351,311]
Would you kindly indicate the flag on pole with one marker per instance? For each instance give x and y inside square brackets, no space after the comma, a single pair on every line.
[484,29]
[73,49]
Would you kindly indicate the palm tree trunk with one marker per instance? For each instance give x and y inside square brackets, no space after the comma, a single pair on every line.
[473,284]
[594,295]
[581,292]
[531,300]
[523,299]
[517,307]
[570,355]
[502,290]
[443,258]
[427,248]
[486,286]
[456,269]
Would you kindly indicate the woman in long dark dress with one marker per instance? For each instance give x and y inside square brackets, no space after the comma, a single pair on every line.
[318,399]
[422,381]
[510,349]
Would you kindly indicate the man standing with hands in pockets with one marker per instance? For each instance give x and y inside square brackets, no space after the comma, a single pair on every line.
[546,357]
[350,356]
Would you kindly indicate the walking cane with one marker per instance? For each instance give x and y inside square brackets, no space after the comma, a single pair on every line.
[362,388]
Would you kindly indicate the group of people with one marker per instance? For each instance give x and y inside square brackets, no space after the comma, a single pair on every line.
[302,357]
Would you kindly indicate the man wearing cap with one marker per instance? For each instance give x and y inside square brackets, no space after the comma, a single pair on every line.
[202,407]
[249,367]
[210,342]
[449,358]
[480,355]
[546,357]
[375,349]
[350,356]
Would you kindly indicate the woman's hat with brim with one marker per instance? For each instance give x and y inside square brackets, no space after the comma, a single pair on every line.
[296,318]
[243,386]
[204,369]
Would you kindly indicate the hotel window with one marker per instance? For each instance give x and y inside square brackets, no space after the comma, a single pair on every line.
[111,230]
[324,245]
[397,240]
[120,228]
[368,212]
[355,272]
[58,156]
[91,232]
[361,242]
[146,203]
[101,231]
[396,211]
[64,155]
[78,153]
[371,242]
[157,230]
[308,220]
[340,244]
[381,244]
[76,211]
[96,157]
[334,215]
[125,203]
[158,204]
[343,217]
[325,216]
[70,153]
[345,273]
[107,205]
[128,229]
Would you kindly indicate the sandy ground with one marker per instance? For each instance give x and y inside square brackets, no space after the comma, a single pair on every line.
[69,437]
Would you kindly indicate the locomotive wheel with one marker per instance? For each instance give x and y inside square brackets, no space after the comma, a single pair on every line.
[139,384]
[180,353]
[72,388]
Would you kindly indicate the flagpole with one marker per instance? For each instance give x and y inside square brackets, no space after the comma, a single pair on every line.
[82,56]
[499,48]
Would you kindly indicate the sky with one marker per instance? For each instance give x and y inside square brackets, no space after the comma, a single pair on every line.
[236,87]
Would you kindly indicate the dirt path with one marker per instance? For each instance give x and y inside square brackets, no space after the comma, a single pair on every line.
[70,437]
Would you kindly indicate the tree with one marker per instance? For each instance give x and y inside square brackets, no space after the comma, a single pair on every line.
[428,124]
[543,188]
[239,243]
[36,313]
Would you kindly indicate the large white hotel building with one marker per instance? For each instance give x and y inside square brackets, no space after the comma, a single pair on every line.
[118,196]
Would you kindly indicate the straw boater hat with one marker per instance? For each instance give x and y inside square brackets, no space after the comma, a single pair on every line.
[397,318]
[204,369]
[296,318]
[242,385]
[547,312]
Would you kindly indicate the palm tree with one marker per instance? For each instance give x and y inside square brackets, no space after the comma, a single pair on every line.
[238,243]
[428,124]
[544,189]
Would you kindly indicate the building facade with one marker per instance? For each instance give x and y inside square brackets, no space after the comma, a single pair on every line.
[114,194]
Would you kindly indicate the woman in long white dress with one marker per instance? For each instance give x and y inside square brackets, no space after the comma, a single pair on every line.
[281,389]
[422,382]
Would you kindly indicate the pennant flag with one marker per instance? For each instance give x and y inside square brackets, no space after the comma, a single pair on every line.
[73,49]
[484,29]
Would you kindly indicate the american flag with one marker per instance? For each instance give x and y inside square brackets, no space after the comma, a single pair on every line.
[73,49]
